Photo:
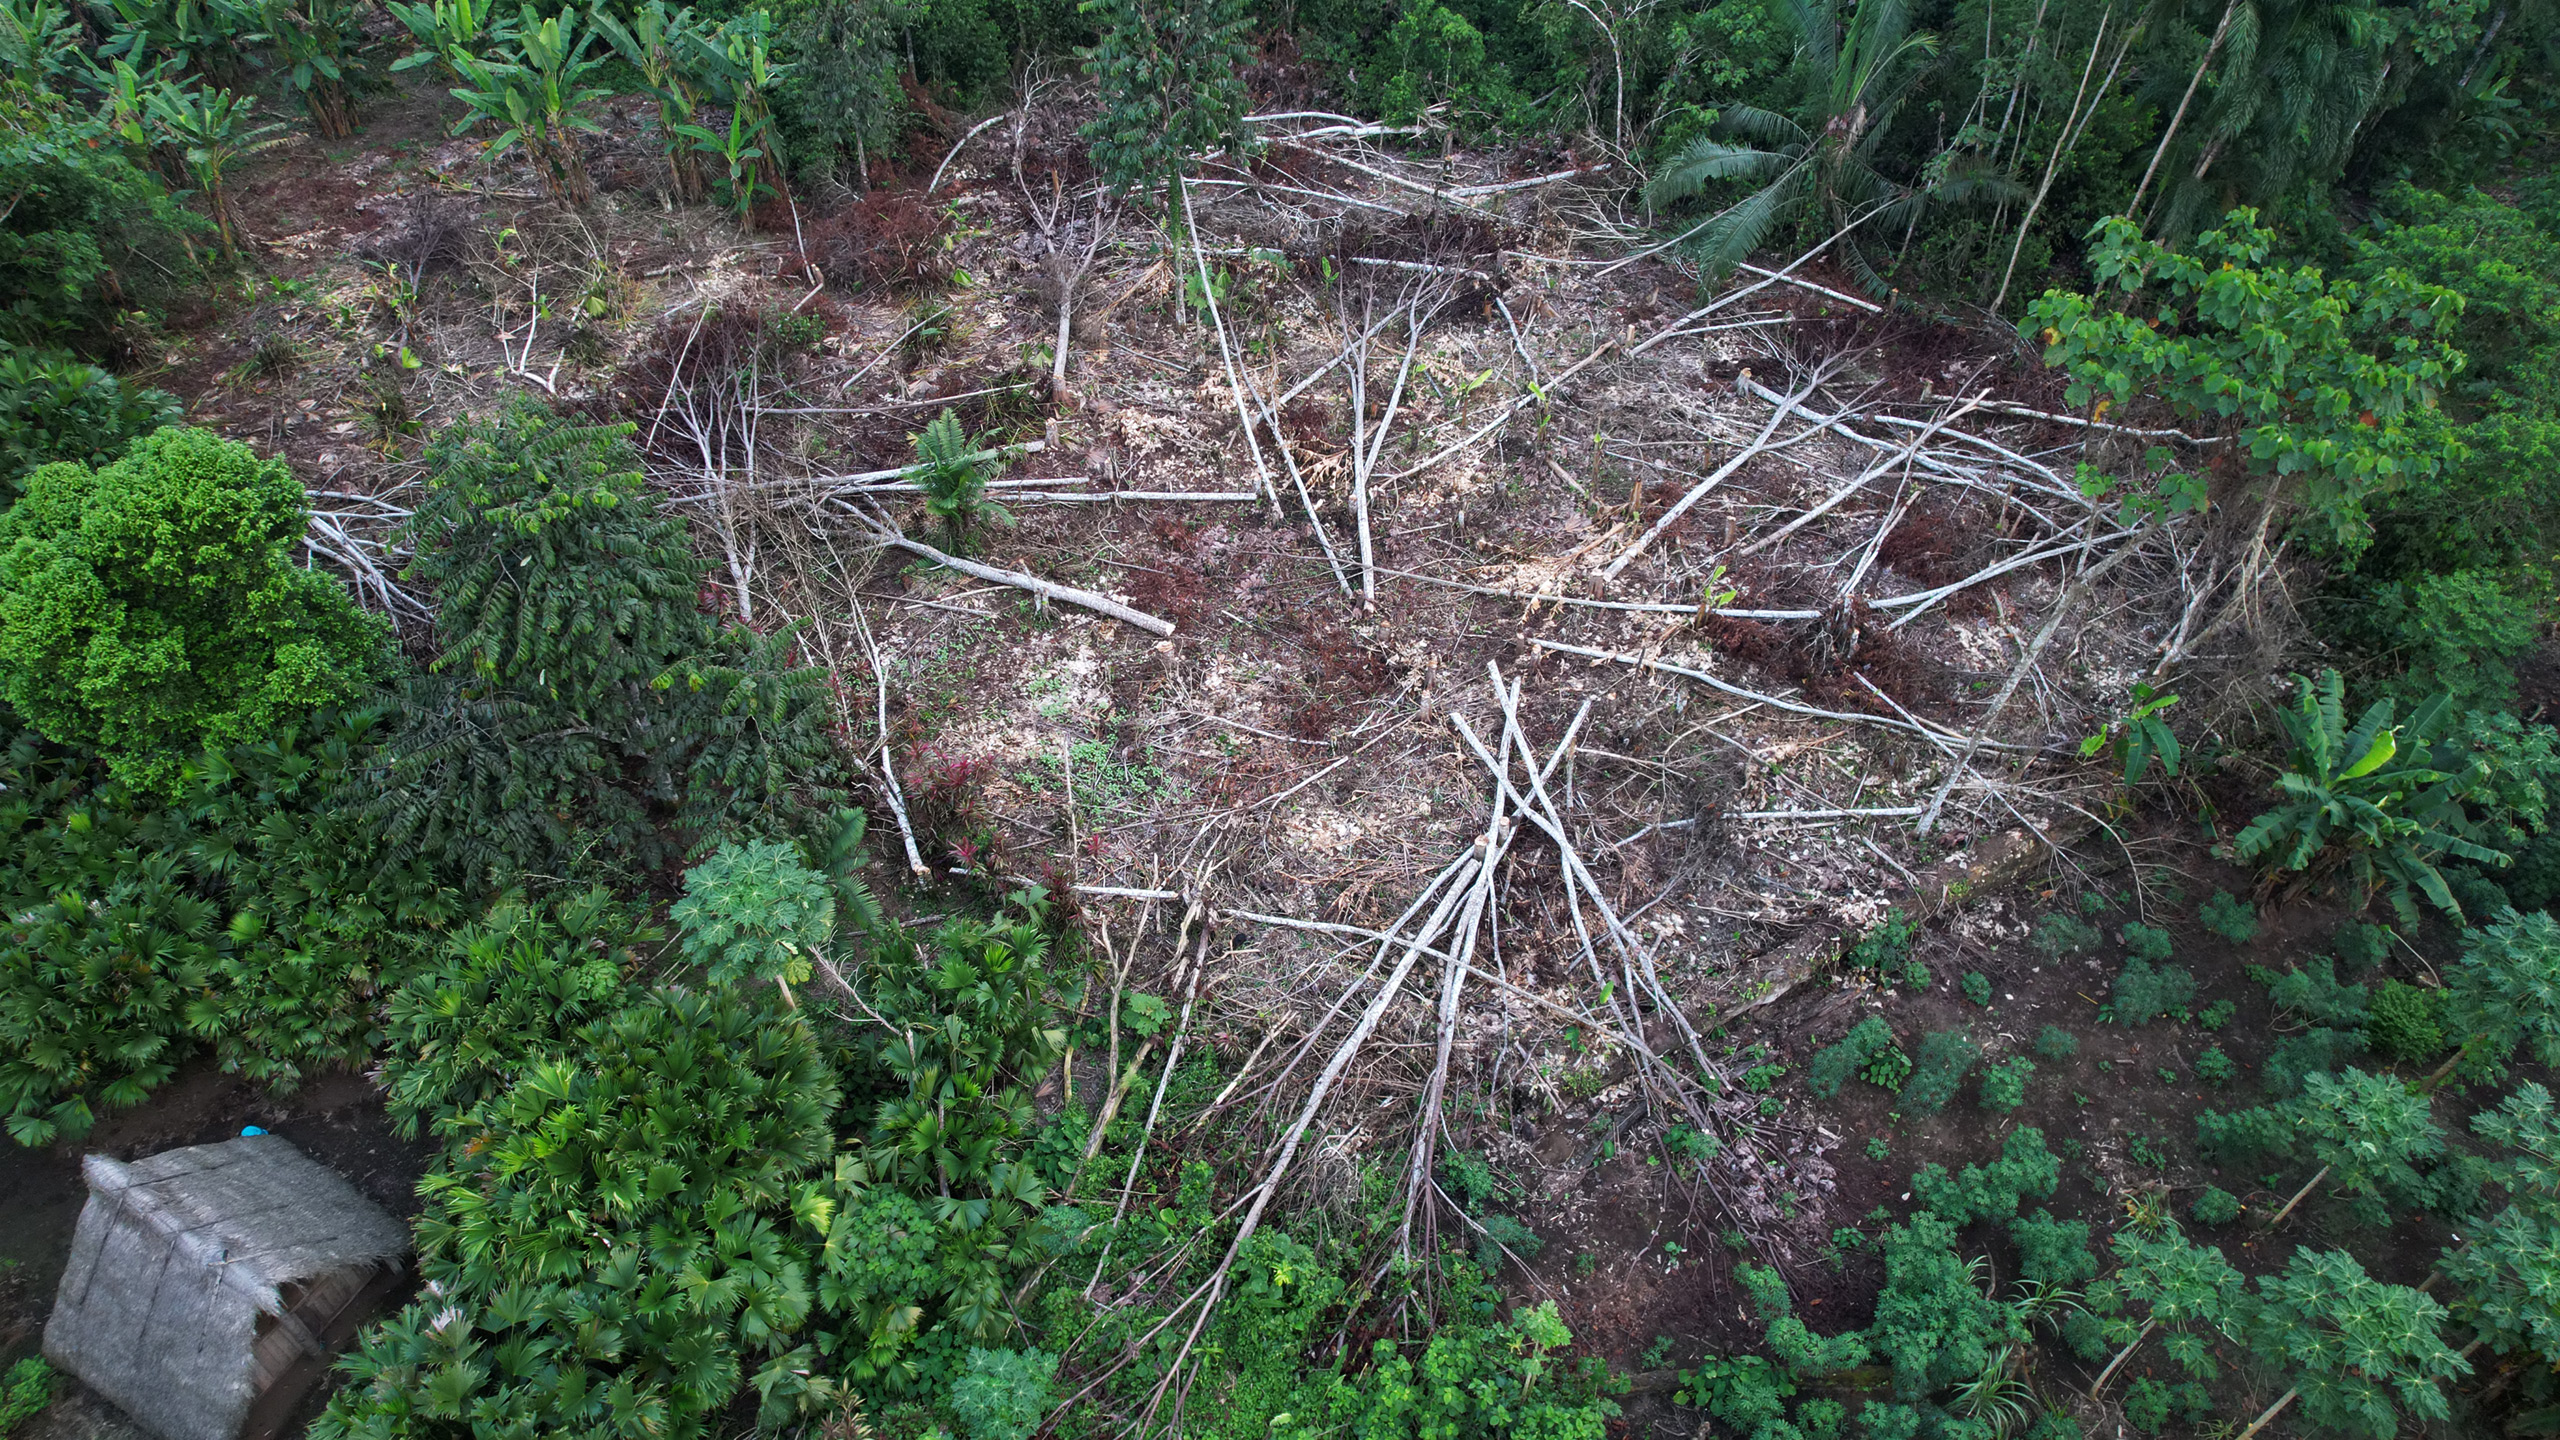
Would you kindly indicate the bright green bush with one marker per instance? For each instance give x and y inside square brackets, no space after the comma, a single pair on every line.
[584,717]
[1867,1051]
[53,407]
[151,608]
[2226,915]
[2148,943]
[973,1020]
[2406,1022]
[25,1391]
[2004,1086]
[2370,1133]
[2026,1170]
[635,1213]
[1938,1071]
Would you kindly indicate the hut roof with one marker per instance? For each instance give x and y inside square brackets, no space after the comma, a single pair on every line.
[176,1258]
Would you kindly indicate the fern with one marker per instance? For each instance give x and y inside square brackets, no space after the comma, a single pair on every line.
[954,477]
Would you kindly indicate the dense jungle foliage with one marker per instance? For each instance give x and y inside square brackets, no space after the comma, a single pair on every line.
[567,871]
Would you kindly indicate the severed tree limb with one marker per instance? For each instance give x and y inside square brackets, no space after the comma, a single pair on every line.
[974,132]
[2070,601]
[889,788]
[1226,352]
[1772,701]
[1698,492]
[1837,497]
[889,534]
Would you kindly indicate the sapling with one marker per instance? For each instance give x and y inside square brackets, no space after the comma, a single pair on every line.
[2226,915]
[754,912]
[2360,1352]
[2180,1285]
[1938,1071]
[2369,1131]
[2004,1086]
[2025,1169]
[955,474]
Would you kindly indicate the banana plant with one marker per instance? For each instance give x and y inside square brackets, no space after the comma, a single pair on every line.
[2370,800]
[205,36]
[744,183]
[442,26]
[311,39]
[2140,737]
[211,131]
[39,40]
[536,87]
[124,103]
[657,44]
[734,64]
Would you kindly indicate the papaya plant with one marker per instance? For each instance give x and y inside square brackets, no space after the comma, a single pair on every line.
[2381,802]
[2186,1289]
[2370,1132]
[2506,1271]
[752,911]
[2504,995]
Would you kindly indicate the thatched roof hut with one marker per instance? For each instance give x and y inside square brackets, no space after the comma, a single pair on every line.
[209,1287]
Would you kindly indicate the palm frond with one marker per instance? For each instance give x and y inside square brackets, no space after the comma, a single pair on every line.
[1766,126]
[1703,161]
[1739,231]
[1817,27]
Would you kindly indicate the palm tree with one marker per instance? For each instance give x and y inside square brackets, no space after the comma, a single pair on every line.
[1822,167]
[2298,77]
